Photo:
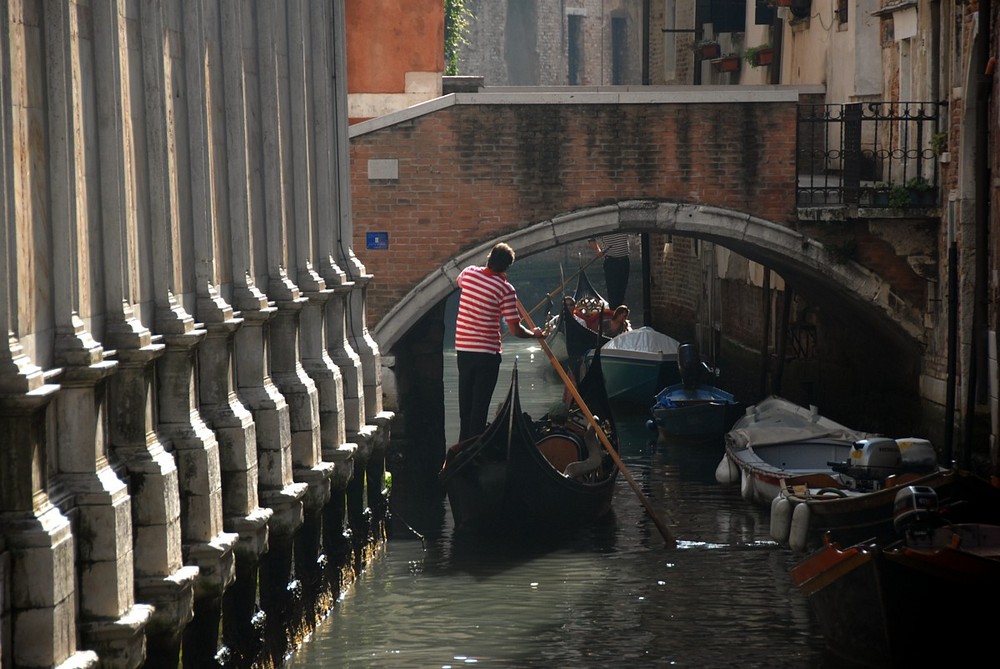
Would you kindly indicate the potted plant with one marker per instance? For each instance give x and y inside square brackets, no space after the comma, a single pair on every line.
[757,56]
[727,63]
[878,196]
[707,49]
[916,192]
[899,196]
[921,192]
[939,143]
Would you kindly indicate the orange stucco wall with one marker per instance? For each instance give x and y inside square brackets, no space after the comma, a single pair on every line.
[388,38]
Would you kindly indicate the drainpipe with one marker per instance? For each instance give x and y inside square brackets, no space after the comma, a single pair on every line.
[984,67]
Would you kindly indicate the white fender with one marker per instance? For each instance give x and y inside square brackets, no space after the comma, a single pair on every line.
[726,472]
[799,531]
[781,518]
[746,486]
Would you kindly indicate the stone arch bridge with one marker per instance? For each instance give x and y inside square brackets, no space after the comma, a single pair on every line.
[434,186]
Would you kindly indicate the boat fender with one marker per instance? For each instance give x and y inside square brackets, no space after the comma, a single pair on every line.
[595,455]
[746,486]
[781,517]
[799,530]
[726,472]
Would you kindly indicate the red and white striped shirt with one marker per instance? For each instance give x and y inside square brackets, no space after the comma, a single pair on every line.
[486,298]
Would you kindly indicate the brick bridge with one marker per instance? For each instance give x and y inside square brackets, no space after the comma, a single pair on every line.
[447,179]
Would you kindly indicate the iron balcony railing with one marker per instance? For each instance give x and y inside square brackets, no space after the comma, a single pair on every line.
[868,154]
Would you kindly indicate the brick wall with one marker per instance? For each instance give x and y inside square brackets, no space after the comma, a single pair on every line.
[469,173]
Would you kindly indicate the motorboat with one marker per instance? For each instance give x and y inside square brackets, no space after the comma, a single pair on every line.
[776,439]
[922,599]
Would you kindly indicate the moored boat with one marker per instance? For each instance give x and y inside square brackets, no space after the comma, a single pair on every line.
[776,439]
[693,409]
[855,501]
[638,364]
[580,320]
[920,600]
[534,477]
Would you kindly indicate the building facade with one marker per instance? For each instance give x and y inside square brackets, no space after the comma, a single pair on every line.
[190,401]
[908,82]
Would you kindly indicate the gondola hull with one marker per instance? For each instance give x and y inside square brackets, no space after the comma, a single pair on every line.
[503,482]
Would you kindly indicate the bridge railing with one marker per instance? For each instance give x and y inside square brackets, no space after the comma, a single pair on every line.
[869,154]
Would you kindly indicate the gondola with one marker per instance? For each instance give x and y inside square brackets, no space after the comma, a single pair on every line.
[579,337]
[543,477]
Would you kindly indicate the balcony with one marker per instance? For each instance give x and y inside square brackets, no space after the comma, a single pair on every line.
[883,155]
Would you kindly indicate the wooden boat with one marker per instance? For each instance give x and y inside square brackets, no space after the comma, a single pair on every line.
[581,338]
[855,502]
[638,364]
[694,411]
[692,408]
[533,477]
[776,439]
[921,600]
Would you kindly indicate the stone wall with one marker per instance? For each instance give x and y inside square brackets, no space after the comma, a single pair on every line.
[190,401]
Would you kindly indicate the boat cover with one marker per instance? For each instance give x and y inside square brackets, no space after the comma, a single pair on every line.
[643,340]
[679,394]
[777,421]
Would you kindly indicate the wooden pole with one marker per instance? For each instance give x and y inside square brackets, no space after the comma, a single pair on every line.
[571,387]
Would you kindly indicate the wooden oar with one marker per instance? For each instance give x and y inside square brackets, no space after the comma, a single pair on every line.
[571,387]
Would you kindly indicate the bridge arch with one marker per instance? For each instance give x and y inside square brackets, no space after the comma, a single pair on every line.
[797,257]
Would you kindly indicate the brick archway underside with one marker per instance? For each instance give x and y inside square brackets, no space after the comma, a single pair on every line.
[787,251]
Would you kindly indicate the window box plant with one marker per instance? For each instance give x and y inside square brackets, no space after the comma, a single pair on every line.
[760,55]
[729,63]
[916,192]
[921,192]
[707,49]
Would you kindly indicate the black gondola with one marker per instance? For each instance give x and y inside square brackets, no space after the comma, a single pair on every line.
[579,337]
[511,478]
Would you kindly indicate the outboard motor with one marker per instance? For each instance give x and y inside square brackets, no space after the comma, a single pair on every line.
[915,510]
[690,364]
[871,461]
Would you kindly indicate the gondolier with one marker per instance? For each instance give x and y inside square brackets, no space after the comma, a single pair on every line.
[486,298]
[614,248]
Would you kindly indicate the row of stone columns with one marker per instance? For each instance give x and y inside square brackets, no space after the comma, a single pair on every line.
[190,401]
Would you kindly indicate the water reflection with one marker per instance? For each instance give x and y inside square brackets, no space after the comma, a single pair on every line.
[611,594]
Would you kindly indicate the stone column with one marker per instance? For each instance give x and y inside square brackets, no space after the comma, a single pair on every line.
[36,541]
[220,406]
[287,205]
[36,533]
[371,367]
[327,67]
[160,575]
[194,445]
[110,620]
[277,487]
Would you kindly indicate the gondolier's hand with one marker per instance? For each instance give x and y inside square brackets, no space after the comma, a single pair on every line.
[597,248]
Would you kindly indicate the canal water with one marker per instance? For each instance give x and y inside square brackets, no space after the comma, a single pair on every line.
[613,595]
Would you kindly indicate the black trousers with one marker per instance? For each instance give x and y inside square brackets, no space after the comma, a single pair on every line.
[477,378]
[616,271]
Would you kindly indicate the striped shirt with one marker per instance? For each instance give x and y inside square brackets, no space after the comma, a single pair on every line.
[486,298]
[615,245]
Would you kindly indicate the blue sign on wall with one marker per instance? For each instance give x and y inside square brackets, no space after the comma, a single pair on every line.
[378,240]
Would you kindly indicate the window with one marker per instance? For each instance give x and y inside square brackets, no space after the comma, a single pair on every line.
[619,51]
[574,57]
